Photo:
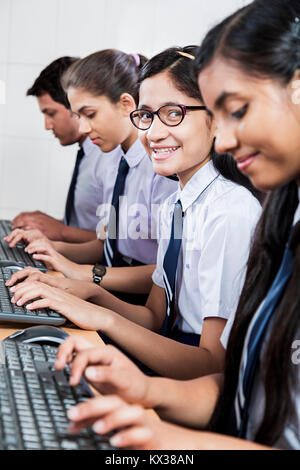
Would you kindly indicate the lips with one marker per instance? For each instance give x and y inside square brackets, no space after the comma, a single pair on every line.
[162,153]
[95,140]
[243,163]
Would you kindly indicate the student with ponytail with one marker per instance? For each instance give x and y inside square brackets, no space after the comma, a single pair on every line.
[102,89]
[204,231]
[249,68]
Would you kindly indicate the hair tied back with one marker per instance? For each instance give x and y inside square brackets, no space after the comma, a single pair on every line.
[137,59]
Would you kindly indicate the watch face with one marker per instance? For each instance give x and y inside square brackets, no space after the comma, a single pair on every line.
[99,270]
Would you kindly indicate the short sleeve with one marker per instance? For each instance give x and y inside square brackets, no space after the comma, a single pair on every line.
[222,262]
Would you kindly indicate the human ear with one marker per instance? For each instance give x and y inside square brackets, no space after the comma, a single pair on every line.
[295,87]
[127,103]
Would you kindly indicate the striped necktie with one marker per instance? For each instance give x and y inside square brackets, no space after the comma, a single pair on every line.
[253,343]
[170,266]
[110,243]
[70,198]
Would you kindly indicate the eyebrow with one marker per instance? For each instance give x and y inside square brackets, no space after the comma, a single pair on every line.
[47,110]
[222,98]
[169,103]
[83,108]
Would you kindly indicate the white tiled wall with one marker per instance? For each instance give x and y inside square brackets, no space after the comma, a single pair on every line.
[34,169]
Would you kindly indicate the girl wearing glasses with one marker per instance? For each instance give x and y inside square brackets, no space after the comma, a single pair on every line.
[102,90]
[255,405]
[201,261]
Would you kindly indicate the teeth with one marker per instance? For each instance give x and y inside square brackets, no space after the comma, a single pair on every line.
[165,150]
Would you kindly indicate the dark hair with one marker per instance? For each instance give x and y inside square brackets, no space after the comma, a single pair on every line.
[109,72]
[263,40]
[49,81]
[179,63]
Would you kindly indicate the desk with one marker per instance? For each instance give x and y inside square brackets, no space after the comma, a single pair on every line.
[7,329]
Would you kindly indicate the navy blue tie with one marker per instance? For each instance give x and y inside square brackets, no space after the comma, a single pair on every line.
[110,243]
[170,266]
[70,198]
[252,346]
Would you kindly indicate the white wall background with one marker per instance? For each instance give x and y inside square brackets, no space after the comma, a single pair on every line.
[35,170]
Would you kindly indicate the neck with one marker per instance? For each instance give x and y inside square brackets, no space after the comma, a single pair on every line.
[81,139]
[186,175]
[129,141]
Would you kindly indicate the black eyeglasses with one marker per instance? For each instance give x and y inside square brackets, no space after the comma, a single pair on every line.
[171,115]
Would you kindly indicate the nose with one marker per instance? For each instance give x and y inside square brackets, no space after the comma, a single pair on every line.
[226,139]
[84,126]
[157,131]
[48,123]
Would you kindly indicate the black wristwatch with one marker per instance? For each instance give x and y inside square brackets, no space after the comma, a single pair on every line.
[99,272]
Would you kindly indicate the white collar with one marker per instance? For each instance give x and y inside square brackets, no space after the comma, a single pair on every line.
[135,153]
[197,184]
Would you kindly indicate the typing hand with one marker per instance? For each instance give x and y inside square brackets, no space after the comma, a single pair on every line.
[22,275]
[42,249]
[78,311]
[132,425]
[48,225]
[27,236]
[108,369]
[81,289]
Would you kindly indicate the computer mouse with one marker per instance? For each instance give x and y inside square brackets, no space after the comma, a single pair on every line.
[42,334]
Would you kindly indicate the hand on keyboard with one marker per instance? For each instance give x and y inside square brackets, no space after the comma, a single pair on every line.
[134,428]
[21,275]
[81,289]
[43,250]
[48,225]
[26,236]
[106,368]
[83,314]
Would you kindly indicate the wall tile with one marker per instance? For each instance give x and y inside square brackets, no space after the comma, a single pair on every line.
[23,117]
[81,29]
[24,174]
[32,31]
[4,28]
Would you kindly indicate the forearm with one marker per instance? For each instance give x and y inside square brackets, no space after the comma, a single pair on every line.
[77,235]
[188,403]
[88,252]
[213,441]
[135,279]
[138,314]
[167,357]
[170,436]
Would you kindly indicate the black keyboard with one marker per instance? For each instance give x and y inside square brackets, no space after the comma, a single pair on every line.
[15,255]
[34,399]
[13,313]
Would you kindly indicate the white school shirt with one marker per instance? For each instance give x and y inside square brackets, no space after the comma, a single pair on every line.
[217,231]
[87,195]
[143,194]
[290,438]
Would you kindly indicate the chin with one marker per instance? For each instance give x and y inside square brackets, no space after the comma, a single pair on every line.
[163,171]
[266,184]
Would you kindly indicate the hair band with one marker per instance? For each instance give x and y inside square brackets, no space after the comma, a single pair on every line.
[186,54]
[137,59]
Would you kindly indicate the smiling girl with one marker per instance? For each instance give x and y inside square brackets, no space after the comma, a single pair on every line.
[255,405]
[201,261]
